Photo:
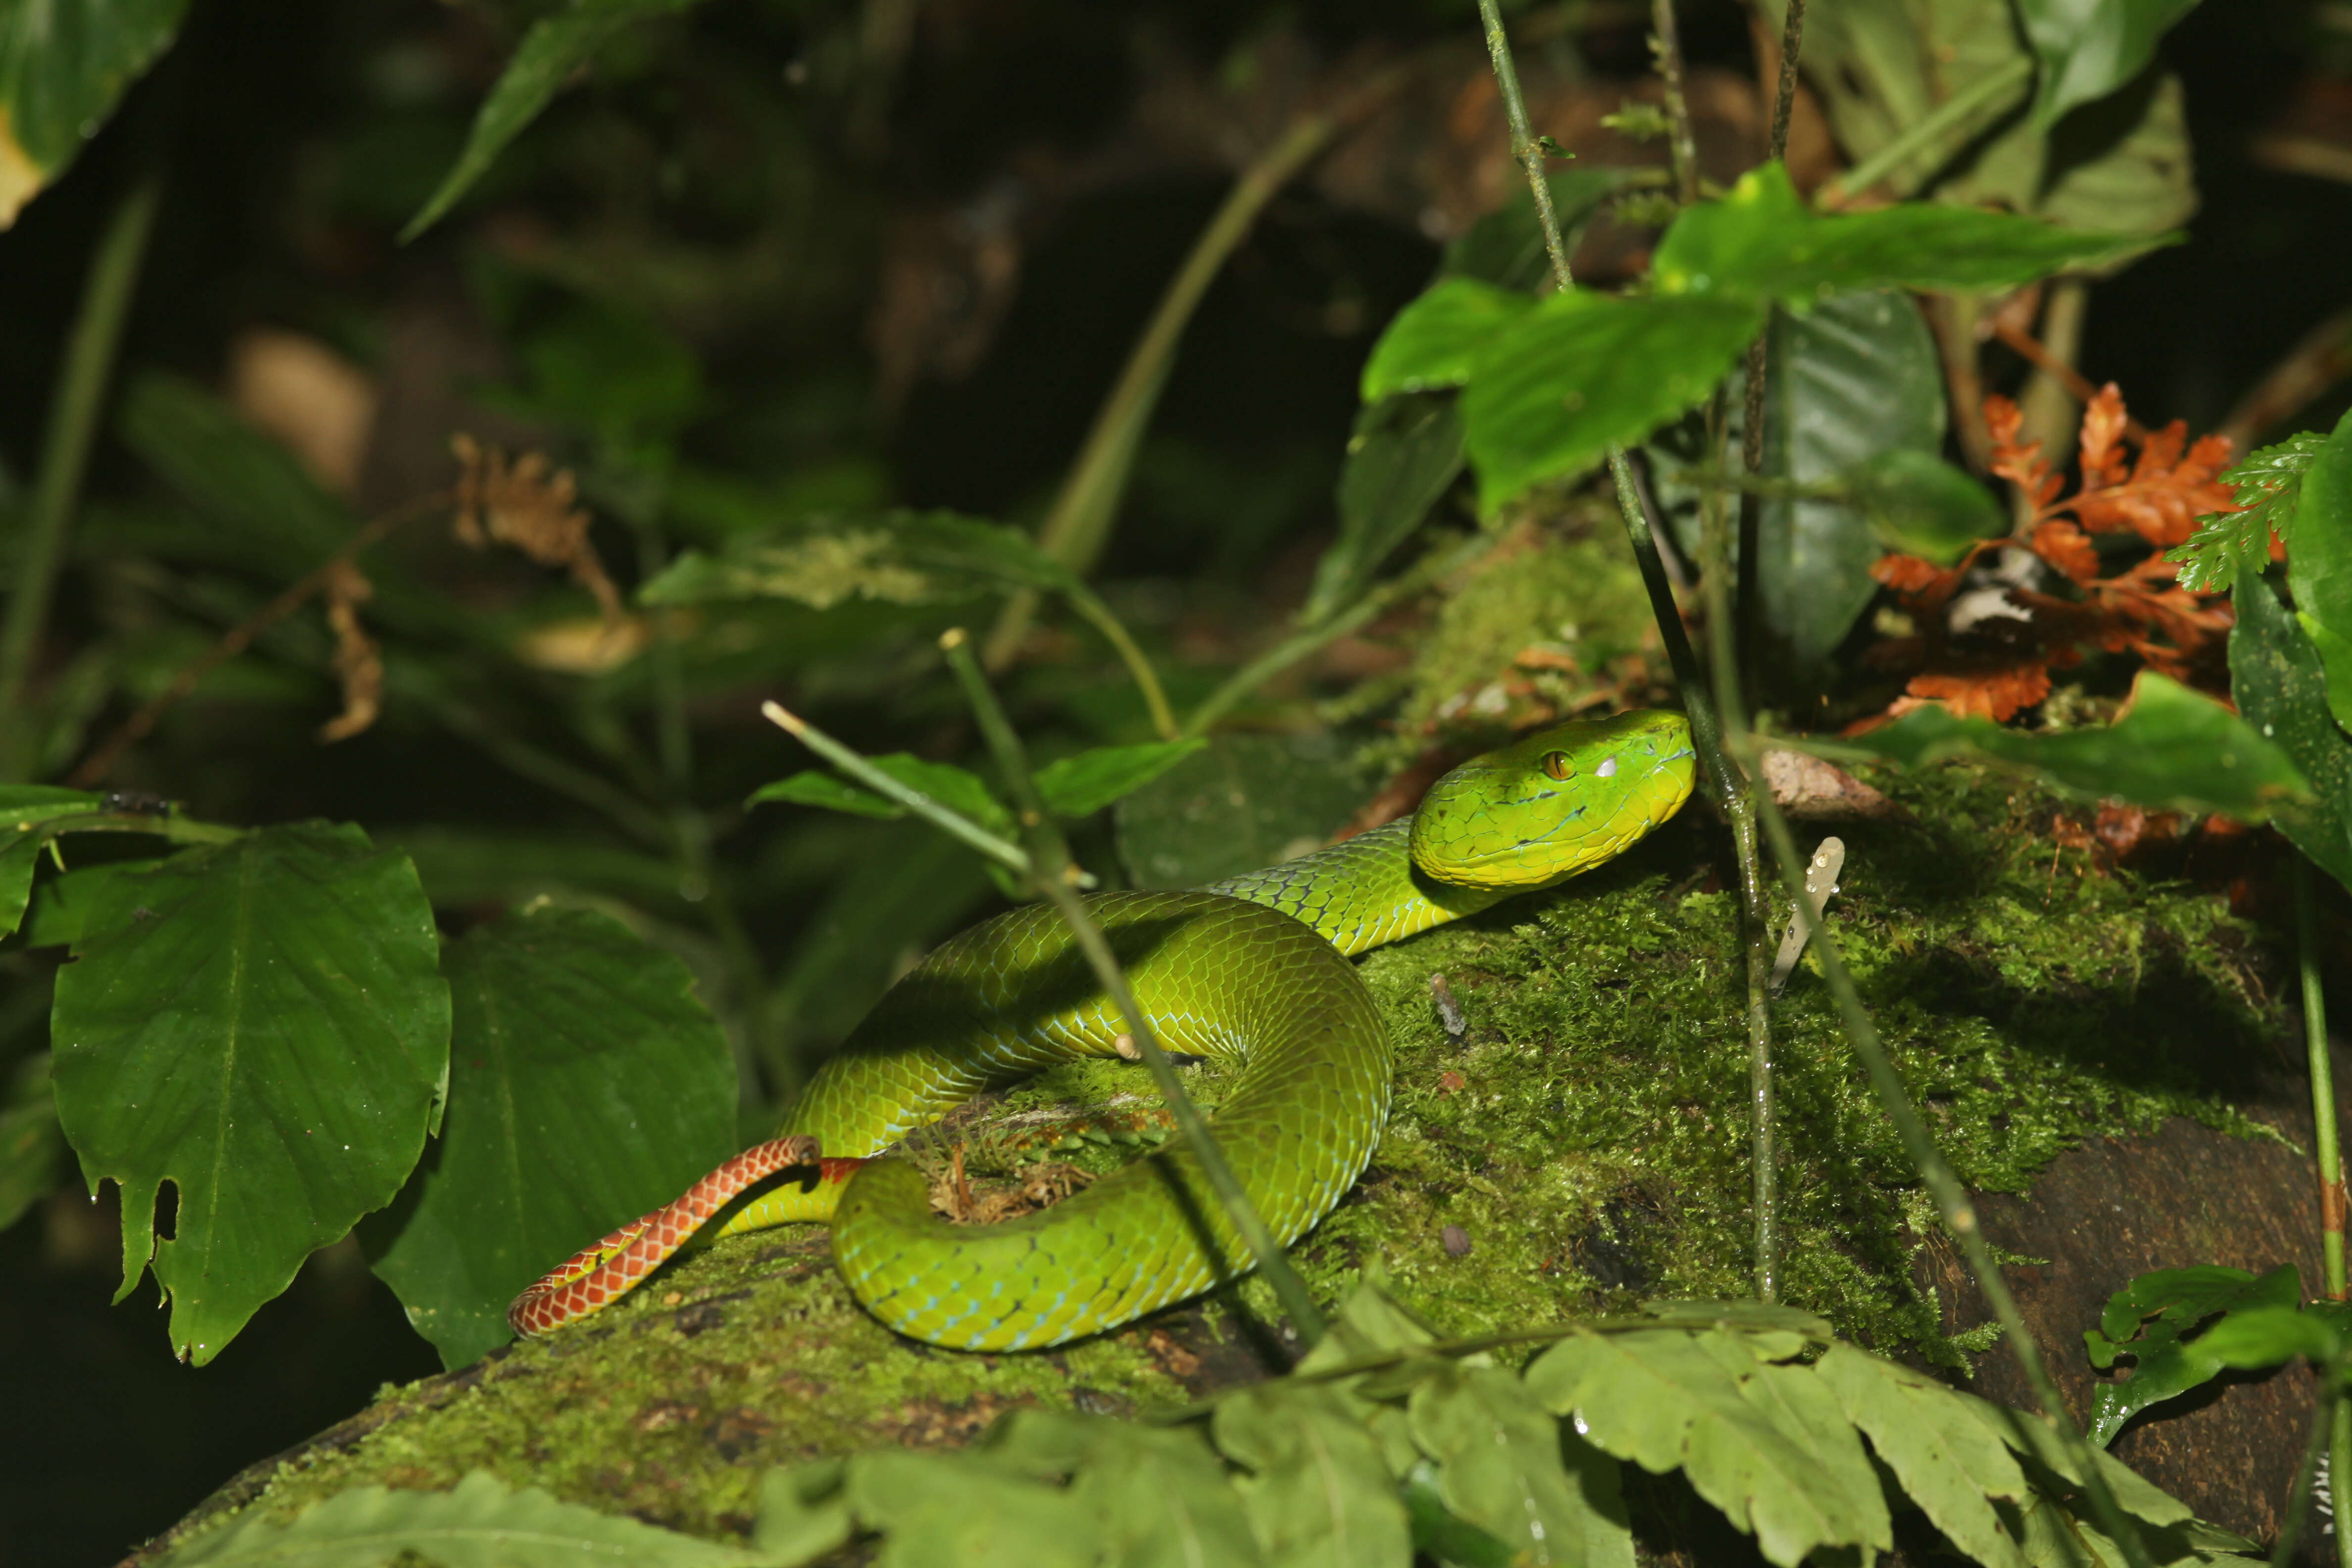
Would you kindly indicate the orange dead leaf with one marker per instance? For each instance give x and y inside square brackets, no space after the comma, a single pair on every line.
[2020,462]
[1998,695]
[2067,548]
[531,505]
[358,664]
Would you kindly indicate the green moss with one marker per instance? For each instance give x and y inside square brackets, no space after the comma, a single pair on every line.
[1586,1136]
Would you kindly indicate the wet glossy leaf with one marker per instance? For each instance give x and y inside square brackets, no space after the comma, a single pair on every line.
[2265,1336]
[1921,505]
[1946,1461]
[1434,341]
[1243,801]
[2281,689]
[63,65]
[23,809]
[32,1146]
[1506,246]
[1318,1491]
[480,1524]
[1855,382]
[2148,1320]
[2173,750]
[1505,1465]
[1762,241]
[263,1026]
[2319,561]
[2088,48]
[1402,458]
[1669,1398]
[1083,785]
[556,48]
[1584,370]
[938,1508]
[1438,1532]
[587,1085]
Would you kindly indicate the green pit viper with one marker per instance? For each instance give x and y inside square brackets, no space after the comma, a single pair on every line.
[1253,971]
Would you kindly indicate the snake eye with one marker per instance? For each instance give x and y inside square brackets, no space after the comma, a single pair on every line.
[1556,765]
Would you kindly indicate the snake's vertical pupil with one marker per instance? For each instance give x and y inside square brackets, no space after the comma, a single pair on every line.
[1555,766]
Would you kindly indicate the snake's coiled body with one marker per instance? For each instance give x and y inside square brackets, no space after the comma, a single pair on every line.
[1252,971]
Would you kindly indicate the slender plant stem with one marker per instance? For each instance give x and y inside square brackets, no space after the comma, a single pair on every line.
[1079,523]
[1725,784]
[1666,44]
[166,825]
[1525,148]
[1945,126]
[240,636]
[1011,857]
[1751,428]
[1952,1198]
[1052,873]
[1755,907]
[1147,679]
[2329,1155]
[2298,1507]
[74,408]
[2323,1081]
[1309,639]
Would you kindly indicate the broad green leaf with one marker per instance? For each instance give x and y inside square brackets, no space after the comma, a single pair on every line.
[74,906]
[1794,1401]
[2265,1336]
[1582,370]
[1856,383]
[1440,1534]
[1506,246]
[1086,783]
[2174,750]
[2123,165]
[2281,689]
[2032,1436]
[938,1508]
[1946,1461]
[1434,341]
[32,1148]
[1921,505]
[63,65]
[1243,801]
[1501,1468]
[480,1524]
[811,787]
[898,557]
[2319,562]
[587,1086]
[1762,241]
[2088,48]
[1155,1496]
[263,1026]
[1673,1399]
[2147,1321]
[1402,458]
[803,1513]
[2269,482]
[24,809]
[1318,1492]
[556,48]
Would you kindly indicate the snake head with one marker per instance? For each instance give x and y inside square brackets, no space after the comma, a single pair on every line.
[1556,803]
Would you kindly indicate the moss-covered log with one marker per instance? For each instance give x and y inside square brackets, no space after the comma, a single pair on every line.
[1582,1143]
